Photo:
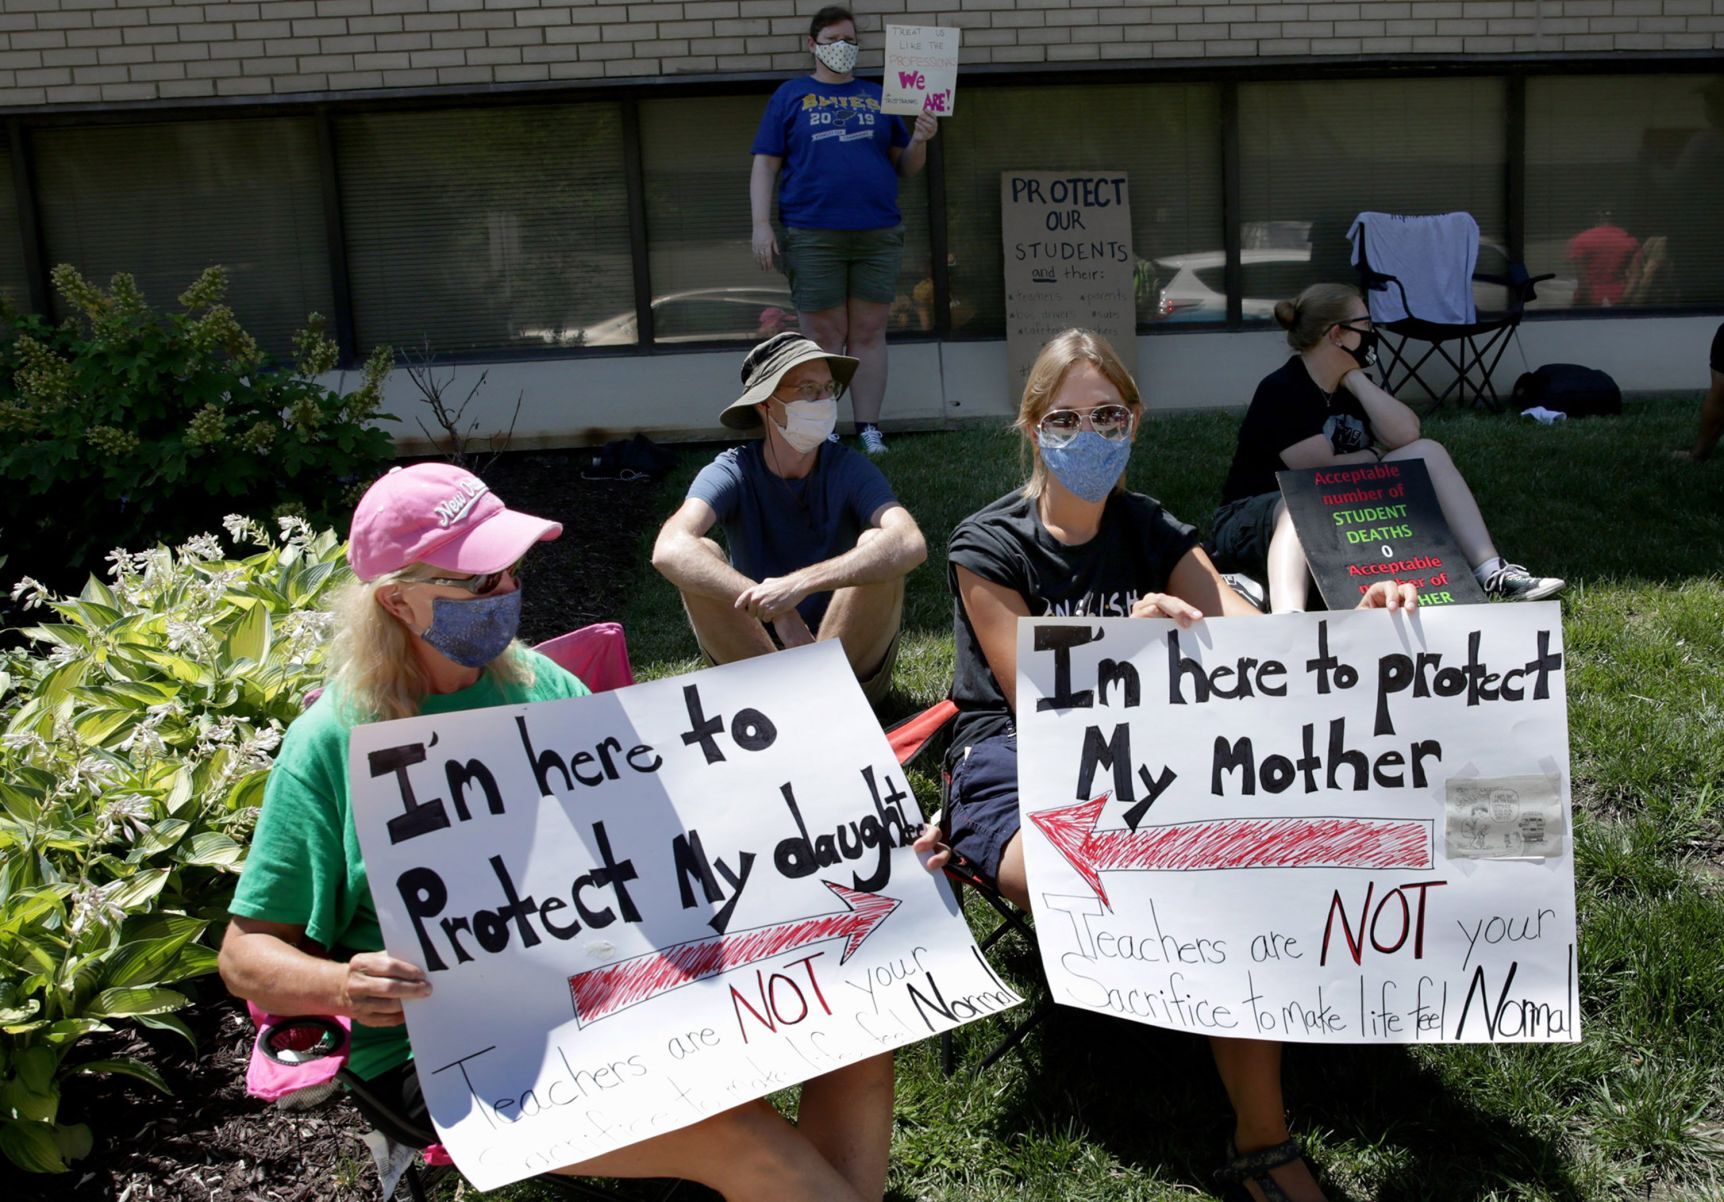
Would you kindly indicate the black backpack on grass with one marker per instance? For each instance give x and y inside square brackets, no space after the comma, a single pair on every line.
[1569,388]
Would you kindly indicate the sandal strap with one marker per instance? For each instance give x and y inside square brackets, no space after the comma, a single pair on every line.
[1255,1166]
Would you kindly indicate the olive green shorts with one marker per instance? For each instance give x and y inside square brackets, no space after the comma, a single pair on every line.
[829,267]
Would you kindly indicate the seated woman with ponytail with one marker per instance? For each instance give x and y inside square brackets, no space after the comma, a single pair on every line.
[1075,541]
[1320,409]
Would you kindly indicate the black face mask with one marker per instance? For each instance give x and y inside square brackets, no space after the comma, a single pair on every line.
[1365,354]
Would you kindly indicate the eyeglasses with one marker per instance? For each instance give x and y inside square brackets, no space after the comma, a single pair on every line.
[838,42]
[479,586]
[1060,426]
[1352,324]
[812,392]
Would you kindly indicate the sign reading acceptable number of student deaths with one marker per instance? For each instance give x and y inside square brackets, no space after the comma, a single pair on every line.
[921,73]
[1361,523]
[1348,828]
[641,908]
[1068,259]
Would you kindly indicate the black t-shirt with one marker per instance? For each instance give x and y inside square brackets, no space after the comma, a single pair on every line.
[1289,408]
[1133,553]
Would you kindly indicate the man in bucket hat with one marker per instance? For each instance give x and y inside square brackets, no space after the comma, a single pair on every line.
[818,544]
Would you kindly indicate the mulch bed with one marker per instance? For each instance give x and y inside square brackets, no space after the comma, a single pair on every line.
[209,1142]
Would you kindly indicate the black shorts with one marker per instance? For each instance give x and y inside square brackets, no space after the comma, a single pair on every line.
[1239,534]
[983,797]
[1718,350]
[395,1105]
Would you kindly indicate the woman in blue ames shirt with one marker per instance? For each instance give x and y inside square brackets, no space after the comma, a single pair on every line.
[841,158]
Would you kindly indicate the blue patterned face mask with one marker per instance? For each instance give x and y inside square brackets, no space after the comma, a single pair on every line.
[473,633]
[1089,465]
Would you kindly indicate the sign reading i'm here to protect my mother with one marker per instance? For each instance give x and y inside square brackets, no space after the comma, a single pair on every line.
[641,908]
[1346,828]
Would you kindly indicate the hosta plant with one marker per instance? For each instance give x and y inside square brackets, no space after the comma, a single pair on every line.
[137,732]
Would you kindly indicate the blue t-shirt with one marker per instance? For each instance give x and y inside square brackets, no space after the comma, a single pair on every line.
[833,139]
[773,525]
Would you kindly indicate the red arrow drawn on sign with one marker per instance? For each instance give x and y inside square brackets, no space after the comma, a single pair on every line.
[1231,843]
[600,992]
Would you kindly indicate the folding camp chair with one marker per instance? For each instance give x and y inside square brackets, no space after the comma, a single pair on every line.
[1417,274]
[908,739]
[306,1055]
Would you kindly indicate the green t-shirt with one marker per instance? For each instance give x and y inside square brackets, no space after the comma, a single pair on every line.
[304,866]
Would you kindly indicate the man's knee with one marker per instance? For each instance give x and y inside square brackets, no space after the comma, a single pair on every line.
[1420,448]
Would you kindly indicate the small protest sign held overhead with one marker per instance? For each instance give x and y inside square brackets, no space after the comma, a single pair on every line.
[921,69]
[1343,828]
[1067,241]
[642,908]
[1364,522]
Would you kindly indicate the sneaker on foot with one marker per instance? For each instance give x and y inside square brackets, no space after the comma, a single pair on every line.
[1512,582]
[873,441]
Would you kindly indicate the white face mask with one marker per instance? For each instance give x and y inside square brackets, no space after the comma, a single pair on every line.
[838,57]
[807,423]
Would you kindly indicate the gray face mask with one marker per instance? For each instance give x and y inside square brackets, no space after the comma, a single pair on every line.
[473,633]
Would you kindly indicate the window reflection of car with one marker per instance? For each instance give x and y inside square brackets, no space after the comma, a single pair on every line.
[1196,288]
[697,315]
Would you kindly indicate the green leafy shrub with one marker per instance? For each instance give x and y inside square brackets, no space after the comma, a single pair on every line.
[136,741]
[122,426]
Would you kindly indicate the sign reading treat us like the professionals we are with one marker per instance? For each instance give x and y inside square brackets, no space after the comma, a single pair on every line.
[1361,523]
[1345,828]
[1068,262]
[641,908]
[921,72]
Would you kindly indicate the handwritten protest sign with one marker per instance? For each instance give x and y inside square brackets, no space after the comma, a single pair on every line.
[1068,261]
[921,69]
[644,907]
[1361,523]
[1350,827]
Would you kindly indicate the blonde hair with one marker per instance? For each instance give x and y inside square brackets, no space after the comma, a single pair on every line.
[1314,312]
[371,662]
[1063,352]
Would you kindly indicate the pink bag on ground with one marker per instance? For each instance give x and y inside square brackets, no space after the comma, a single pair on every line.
[598,654]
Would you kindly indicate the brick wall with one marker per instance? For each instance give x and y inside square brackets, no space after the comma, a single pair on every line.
[76,51]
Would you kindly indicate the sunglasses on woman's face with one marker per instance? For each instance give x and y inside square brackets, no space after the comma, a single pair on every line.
[479,586]
[1060,426]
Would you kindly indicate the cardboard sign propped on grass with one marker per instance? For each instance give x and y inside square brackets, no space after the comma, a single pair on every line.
[1067,237]
[1341,828]
[921,74]
[1361,523]
[644,907]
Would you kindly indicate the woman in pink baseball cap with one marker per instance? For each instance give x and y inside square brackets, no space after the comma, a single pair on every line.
[429,627]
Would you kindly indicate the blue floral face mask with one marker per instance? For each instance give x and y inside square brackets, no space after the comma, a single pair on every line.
[1089,465]
[473,633]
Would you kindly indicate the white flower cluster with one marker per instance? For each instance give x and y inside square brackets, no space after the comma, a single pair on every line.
[37,592]
[94,906]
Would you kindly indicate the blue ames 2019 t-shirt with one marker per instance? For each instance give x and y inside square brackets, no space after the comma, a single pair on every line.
[833,138]
[774,526]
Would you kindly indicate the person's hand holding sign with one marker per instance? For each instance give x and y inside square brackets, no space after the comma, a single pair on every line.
[376,983]
[1166,605]
[1390,594]
[927,125]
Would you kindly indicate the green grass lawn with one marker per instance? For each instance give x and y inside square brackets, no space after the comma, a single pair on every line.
[1095,1108]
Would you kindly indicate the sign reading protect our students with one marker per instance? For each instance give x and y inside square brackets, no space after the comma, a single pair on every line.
[642,908]
[1068,261]
[1362,523]
[1340,828]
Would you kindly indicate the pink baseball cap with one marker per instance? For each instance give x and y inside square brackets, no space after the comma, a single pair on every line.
[439,514]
